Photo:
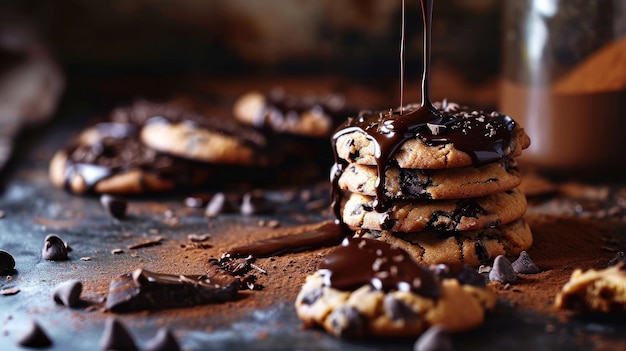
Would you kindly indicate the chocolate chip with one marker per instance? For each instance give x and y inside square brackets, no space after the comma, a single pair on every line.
[68,293]
[481,251]
[162,341]
[619,257]
[396,309]
[216,206]
[34,336]
[347,321]
[254,203]
[435,338]
[502,271]
[7,262]
[312,296]
[54,249]
[116,337]
[197,200]
[470,276]
[525,265]
[114,206]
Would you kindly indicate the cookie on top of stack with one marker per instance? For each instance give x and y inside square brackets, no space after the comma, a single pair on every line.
[444,189]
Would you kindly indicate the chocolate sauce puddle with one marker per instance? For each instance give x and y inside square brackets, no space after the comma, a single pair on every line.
[359,262]
[329,233]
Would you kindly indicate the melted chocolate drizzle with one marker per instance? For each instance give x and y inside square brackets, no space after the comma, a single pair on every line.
[360,261]
[485,137]
[330,233]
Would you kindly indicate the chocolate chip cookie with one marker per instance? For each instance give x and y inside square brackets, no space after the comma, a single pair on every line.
[358,211]
[369,288]
[108,158]
[597,291]
[472,247]
[449,183]
[458,138]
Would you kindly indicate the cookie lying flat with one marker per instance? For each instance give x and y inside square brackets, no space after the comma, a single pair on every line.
[108,158]
[451,183]
[600,291]
[464,214]
[305,115]
[489,136]
[215,139]
[368,288]
[470,247]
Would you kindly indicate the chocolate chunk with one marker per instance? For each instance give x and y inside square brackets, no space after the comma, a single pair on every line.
[197,200]
[144,290]
[68,293]
[347,321]
[54,249]
[502,271]
[34,336]
[619,257]
[163,341]
[116,337]
[435,338]
[114,206]
[463,273]
[396,309]
[524,264]
[7,262]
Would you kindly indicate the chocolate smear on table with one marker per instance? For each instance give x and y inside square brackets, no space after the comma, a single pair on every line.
[145,290]
[114,206]
[162,341]
[7,262]
[34,336]
[328,233]
[360,261]
[116,337]
[68,293]
[502,271]
[524,264]
[153,241]
[54,249]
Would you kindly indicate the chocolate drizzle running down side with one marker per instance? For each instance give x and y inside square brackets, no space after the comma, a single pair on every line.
[329,233]
[359,261]
[485,137]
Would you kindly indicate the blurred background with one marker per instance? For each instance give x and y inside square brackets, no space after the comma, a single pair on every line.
[229,39]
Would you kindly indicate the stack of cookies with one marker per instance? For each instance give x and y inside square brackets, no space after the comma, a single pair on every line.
[444,189]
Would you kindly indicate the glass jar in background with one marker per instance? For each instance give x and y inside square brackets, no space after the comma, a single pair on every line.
[564,81]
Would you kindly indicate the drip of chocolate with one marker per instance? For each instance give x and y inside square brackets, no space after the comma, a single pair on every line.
[329,233]
[485,138]
[360,261]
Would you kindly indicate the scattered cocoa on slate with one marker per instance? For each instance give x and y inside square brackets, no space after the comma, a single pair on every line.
[34,336]
[7,262]
[54,249]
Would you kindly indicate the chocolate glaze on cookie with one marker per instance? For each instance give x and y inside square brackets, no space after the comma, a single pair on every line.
[359,262]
